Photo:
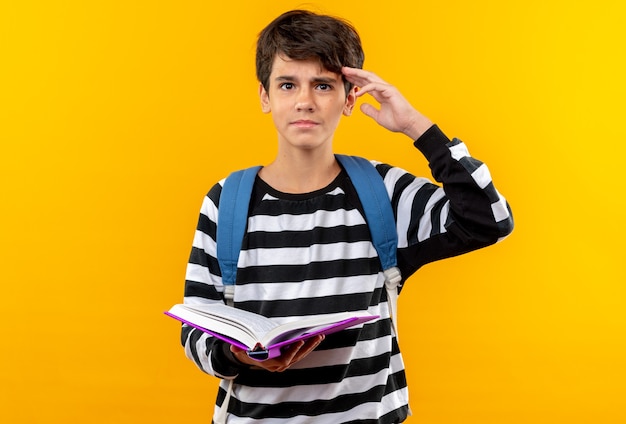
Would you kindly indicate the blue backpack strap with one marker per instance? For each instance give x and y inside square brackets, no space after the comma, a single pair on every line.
[376,205]
[232,219]
[373,195]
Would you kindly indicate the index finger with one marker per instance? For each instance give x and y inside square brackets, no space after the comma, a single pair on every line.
[360,77]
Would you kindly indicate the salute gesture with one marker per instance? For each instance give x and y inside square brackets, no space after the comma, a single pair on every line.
[396,113]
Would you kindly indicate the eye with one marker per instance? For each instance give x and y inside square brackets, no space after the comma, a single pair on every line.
[286,86]
[324,87]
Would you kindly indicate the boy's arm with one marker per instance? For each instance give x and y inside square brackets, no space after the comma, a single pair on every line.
[434,222]
[203,285]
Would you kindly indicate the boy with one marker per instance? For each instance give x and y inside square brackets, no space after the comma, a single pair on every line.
[307,248]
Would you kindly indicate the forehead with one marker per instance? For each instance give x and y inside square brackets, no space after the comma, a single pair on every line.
[285,66]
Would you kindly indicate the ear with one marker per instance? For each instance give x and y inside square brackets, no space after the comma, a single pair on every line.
[350,101]
[265,99]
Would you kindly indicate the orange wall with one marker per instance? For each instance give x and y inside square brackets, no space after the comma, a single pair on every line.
[116,117]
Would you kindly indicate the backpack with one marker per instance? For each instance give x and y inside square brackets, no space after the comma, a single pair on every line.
[369,185]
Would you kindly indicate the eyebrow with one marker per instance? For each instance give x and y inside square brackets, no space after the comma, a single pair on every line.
[319,80]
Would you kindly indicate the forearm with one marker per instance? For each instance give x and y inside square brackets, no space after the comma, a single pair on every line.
[462,214]
[207,352]
[210,354]
[475,203]
[203,285]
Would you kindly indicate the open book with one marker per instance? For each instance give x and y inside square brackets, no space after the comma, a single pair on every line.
[261,337]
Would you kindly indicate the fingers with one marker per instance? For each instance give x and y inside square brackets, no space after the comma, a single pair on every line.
[369,83]
[293,354]
[369,110]
[297,352]
[307,348]
[360,77]
[395,113]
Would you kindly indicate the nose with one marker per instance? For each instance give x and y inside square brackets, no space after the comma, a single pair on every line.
[304,101]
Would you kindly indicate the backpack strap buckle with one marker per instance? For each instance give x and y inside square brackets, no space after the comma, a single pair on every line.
[392,283]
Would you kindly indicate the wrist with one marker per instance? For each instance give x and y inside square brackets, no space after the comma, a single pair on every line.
[224,361]
[418,127]
[240,357]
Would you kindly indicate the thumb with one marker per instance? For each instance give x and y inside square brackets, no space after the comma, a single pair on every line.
[369,110]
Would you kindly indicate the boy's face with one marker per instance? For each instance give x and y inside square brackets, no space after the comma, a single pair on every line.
[306,102]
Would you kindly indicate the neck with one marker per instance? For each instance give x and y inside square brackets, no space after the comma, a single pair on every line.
[301,171]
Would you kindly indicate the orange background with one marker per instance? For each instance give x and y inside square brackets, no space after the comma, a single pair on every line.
[117,116]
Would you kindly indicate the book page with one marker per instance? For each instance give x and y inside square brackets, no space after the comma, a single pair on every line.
[305,325]
[255,324]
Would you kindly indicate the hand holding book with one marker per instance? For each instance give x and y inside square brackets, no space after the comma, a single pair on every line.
[289,355]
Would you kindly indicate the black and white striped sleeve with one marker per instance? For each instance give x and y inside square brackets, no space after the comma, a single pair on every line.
[203,284]
[464,213]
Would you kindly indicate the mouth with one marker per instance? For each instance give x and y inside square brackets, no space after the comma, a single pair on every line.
[304,123]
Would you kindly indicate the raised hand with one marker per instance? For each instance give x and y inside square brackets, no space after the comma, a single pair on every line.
[396,113]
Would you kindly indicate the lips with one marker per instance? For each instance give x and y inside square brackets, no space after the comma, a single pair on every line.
[304,123]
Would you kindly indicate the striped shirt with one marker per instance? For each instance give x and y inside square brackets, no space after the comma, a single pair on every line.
[312,254]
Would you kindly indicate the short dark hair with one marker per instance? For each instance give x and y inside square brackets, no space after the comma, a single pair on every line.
[302,35]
